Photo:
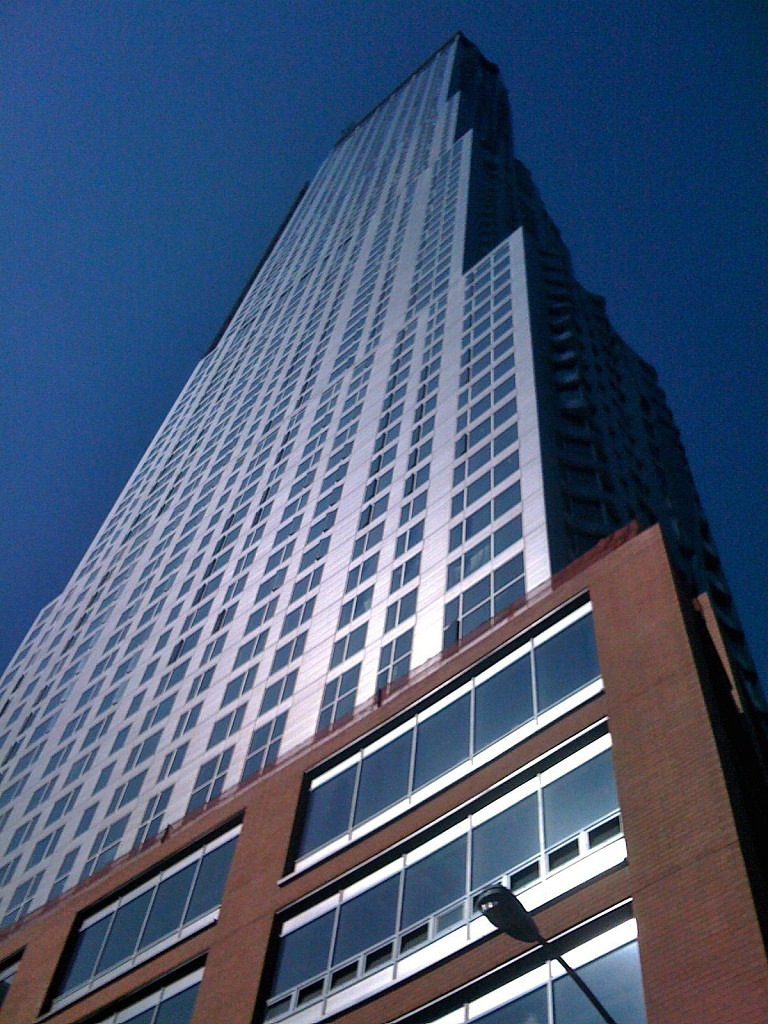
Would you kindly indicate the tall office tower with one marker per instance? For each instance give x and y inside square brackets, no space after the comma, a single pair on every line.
[413,418]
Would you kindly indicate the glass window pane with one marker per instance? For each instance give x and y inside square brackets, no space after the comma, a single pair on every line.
[573,802]
[529,1009]
[384,777]
[477,593]
[616,981]
[211,877]
[142,1017]
[503,702]
[504,842]
[178,1009]
[442,741]
[168,907]
[124,933]
[434,882]
[475,618]
[566,662]
[367,919]
[82,963]
[303,953]
[328,810]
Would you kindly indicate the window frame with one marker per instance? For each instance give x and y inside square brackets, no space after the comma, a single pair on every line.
[521,647]
[125,897]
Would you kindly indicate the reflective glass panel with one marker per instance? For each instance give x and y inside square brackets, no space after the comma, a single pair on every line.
[505,841]
[434,882]
[85,953]
[572,803]
[503,702]
[442,741]
[384,777]
[303,953]
[367,919]
[529,1009]
[143,1017]
[566,662]
[328,810]
[211,877]
[124,933]
[168,908]
[616,981]
[178,1009]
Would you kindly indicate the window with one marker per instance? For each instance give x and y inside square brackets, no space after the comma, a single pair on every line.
[540,679]
[104,776]
[314,554]
[172,761]
[409,538]
[356,607]
[200,684]
[338,697]
[360,573]
[239,685]
[348,646]
[250,649]
[298,616]
[614,975]
[288,652]
[264,746]
[21,900]
[187,720]
[260,616]
[62,875]
[40,795]
[152,819]
[485,598]
[270,585]
[8,869]
[307,583]
[227,725]
[406,572]
[104,848]
[44,848]
[394,660]
[368,540]
[126,792]
[96,731]
[278,691]
[174,903]
[158,713]
[170,1004]
[22,833]
[426,893]
[401,610]
[210,779]
[7,974]
[413,508]
[63,805]
[85,819]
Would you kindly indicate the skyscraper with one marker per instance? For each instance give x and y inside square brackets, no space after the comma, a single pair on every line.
[413,420]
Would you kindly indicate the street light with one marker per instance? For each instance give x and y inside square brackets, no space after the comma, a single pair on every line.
[505,912]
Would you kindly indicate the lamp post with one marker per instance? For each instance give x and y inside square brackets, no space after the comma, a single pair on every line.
[505,912]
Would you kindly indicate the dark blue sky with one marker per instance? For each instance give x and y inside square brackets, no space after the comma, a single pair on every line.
[150,150]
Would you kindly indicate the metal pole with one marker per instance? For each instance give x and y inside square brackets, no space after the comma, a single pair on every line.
[582,984]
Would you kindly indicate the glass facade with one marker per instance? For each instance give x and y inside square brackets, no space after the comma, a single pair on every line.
[174,903]
[554,816]
[610,966]
[170,1004]
[500,706]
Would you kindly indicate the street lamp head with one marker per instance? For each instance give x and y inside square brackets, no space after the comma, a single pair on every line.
[505,912]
